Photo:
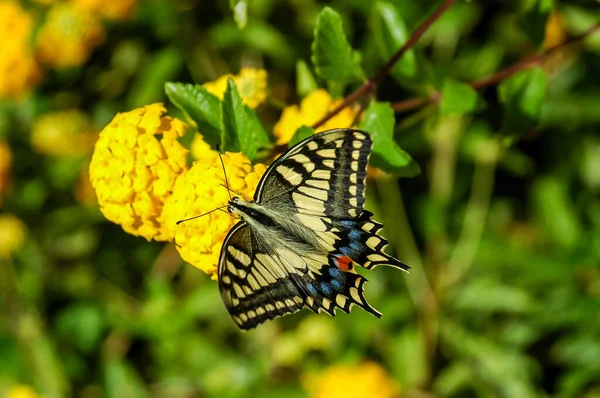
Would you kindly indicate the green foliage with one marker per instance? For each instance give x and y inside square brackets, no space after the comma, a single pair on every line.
[501,230]
[332,56]
[200,106]
[379,121]
[300,134]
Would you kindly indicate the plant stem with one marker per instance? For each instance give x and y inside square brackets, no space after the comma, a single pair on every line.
[529,62]
[474,222]
[371,84]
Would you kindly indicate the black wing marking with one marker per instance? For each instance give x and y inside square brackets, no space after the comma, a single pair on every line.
[324,175]
[258,285]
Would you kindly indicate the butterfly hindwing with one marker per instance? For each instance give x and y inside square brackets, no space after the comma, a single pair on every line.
[257,286]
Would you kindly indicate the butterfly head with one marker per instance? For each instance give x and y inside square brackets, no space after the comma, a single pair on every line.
[233,204]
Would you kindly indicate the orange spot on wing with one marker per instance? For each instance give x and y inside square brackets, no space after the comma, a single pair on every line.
[344,263]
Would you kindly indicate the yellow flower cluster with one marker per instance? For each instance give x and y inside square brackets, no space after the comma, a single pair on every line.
[346,381]
[311,109]
[68,36]
[5,167]
[22,391]
[111,9]
[66,133]
[134,166]
[201,190]
[12,235]
[251,84]
[19,71]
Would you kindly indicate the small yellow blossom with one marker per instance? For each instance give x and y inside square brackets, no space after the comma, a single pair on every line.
[12,235]
[5,167]
[111,9]
[66,133]
[555,31]
[346,381]
[68,36]
[22,391]
[200,190]
[312,108]
[251,84]
[18,70]
[134,167]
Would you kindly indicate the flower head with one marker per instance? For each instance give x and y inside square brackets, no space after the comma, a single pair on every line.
[201,189]
[18,70]
[346,381]
[68,36]
[12,235]
[312,108]
[134,167]
[66,133]
[251,83]
[5,167]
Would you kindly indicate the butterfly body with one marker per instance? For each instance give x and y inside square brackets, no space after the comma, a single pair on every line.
[300,237]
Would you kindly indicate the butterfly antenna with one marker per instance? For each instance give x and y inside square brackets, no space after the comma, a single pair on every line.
[224,172]
[201,215]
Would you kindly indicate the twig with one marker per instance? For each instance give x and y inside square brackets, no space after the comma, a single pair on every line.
[529,62]
[371,84]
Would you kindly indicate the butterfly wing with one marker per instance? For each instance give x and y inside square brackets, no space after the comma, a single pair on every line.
[324,175]
[258,282]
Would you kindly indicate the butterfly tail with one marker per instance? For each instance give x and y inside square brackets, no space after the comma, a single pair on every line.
[364,244]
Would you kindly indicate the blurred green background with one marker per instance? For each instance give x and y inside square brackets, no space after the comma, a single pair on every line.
[501,228]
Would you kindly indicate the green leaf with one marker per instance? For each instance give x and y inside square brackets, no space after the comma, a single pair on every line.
[242,129]
[305,81]
[332,56]
[200,106]
[390,34]
[235,123]
[555,211]
[256,137]
[457,98]
[387,155]
[533,22]
[523,96]
[302,133]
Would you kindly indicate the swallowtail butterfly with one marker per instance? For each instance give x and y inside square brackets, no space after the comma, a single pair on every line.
[299,240]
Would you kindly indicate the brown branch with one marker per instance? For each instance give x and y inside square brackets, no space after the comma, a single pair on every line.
[529,62]
[371,84]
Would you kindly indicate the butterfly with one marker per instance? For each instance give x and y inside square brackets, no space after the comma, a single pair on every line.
[300,239]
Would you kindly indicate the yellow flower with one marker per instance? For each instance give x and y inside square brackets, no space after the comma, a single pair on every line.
[134,167]
[22,391]
[12,235]
[111,9]
[200,190]
[312,108]
[5,166]
[66,133]
[346,381]
[68,36]
[555,31]
[18,70]
[251,83]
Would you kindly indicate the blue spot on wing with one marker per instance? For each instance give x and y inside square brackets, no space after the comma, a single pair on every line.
[311,289]
[334,272]
[337,285]
[354,234]
[326,288]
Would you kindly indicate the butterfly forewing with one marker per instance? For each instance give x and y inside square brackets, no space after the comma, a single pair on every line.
[322,176]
